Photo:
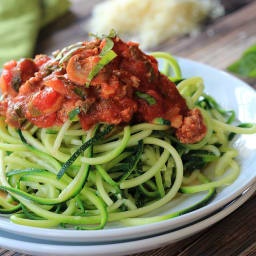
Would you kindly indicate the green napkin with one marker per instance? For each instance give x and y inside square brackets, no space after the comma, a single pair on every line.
[20,22]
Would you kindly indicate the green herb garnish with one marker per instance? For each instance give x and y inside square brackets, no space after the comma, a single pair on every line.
[67,55]
[149,99]
[160,120]
[72,114]
[108,57]
[60,54]
[107,47]
[112,34]
[79,92]
[246,65]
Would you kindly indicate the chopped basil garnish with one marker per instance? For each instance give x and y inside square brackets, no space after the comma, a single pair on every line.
[65,50]
[79,92]
[112,34]
[108,57]
[149,99]
[69,54]
[72,114]
[107,47]
[160,120]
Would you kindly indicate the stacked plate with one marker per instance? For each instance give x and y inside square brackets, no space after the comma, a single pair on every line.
[231,93]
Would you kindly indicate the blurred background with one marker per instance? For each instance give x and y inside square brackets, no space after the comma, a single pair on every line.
[215,32]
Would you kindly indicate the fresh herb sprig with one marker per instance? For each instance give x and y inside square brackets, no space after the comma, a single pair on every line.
[107,55]
[148,98]
[73,114]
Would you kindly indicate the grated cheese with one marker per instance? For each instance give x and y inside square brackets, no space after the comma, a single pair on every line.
[151,22]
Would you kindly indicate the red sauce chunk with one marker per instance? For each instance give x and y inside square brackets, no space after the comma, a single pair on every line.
[120,86]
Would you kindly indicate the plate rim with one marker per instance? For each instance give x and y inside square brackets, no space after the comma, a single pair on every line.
[136,246]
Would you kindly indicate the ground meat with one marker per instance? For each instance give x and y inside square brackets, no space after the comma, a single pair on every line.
[193,128]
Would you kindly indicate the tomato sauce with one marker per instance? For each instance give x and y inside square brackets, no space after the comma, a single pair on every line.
[45,90]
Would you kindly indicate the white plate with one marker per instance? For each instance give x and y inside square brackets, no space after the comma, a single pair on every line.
[231,93]
[41,248]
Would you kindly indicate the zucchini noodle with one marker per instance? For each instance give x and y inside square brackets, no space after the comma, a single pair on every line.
[169,61]
[80,179]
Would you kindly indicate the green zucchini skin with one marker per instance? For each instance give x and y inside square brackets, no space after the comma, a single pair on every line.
[86,145]
[77,186]
[208,198]
[147,220]
[133,162]
[11,210]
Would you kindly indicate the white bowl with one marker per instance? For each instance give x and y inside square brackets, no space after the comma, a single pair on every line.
[231,93]
[41,248]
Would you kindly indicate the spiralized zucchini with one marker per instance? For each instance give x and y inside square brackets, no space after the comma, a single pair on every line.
[60,176]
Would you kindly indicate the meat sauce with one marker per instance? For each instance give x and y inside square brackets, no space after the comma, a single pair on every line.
[44,91]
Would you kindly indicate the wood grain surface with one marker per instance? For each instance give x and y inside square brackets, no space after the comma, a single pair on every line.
[220,43]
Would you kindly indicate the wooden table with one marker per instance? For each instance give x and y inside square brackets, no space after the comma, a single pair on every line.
[220,43]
